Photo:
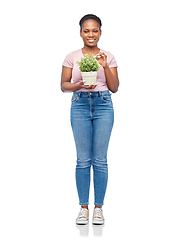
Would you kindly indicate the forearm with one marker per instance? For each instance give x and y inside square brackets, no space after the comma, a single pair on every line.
[70,87]
[112,81]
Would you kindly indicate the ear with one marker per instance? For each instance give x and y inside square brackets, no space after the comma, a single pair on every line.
[100,33]
[80,33]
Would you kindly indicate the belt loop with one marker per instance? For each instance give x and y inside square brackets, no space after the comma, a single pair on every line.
[100,94]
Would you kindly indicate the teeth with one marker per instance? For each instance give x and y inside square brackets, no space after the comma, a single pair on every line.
[91,40]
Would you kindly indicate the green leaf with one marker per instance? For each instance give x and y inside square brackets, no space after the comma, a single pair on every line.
[88,64]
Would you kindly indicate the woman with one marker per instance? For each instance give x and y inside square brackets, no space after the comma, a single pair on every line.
[92,117]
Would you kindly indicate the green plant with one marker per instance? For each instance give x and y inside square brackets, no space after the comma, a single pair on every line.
[88,64]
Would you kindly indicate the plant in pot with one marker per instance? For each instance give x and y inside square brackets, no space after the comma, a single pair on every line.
[89,67]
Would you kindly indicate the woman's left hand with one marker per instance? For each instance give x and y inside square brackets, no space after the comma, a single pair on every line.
[102,58]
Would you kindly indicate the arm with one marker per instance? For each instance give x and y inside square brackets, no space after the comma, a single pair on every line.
[66,84]
[111,74]
[112,78]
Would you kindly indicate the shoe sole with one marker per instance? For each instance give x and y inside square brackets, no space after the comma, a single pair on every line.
[98,222]
[82,222]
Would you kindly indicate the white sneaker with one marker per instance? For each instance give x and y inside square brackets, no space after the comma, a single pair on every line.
[98,216]
[83,217]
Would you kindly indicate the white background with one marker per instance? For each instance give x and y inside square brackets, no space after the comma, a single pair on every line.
[38,198]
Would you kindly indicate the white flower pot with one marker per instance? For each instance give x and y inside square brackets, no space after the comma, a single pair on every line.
[89,77]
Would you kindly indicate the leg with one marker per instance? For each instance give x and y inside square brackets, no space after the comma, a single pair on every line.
[102,128]
[82,131]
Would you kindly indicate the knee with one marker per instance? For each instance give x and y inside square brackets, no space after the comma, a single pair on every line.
[83,163]
[100,165]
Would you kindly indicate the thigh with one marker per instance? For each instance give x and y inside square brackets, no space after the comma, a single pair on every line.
[102,127]
[82,130]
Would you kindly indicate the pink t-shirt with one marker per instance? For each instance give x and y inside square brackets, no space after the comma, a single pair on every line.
[73,57]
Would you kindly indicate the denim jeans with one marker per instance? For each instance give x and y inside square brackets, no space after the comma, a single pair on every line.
[92,118]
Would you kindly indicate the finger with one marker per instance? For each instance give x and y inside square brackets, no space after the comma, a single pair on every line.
[82,82]
[88,86]
[94,86]
[99,55]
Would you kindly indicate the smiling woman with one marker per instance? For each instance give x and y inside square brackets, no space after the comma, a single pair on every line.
[107,78]
[90,30]
[92,116]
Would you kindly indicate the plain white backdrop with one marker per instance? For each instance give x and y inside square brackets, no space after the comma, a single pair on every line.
[38,198]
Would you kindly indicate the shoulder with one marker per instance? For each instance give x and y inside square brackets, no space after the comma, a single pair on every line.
[74,53]
[71,58]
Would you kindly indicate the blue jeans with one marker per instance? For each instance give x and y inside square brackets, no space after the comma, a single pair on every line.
[92,118]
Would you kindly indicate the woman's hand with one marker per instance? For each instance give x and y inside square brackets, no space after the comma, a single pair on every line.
[102,58]
[66,84]
[92,86]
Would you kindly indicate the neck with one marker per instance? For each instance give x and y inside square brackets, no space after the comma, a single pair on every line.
[87,50]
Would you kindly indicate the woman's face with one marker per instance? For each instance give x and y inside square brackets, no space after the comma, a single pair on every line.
[90,33]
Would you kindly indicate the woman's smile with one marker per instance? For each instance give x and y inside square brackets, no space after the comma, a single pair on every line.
[90,33]
[91,40]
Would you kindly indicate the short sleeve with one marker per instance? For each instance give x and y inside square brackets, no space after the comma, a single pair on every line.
[68,61]
[112,62]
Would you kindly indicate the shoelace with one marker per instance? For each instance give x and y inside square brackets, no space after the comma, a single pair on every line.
[97,213]
[82,213]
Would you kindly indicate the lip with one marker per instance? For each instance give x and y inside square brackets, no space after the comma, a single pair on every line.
[90,40]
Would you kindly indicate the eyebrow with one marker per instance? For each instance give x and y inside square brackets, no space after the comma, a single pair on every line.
[90,29]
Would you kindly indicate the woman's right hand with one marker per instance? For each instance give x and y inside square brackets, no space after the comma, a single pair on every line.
[92,86]
[67,86]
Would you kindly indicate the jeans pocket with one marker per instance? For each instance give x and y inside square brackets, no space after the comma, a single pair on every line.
[106,98]
[74,99]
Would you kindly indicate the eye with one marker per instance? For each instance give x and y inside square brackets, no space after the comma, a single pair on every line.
[85,31]
[95,31]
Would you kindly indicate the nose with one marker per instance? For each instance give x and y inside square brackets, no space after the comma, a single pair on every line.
[91,34]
